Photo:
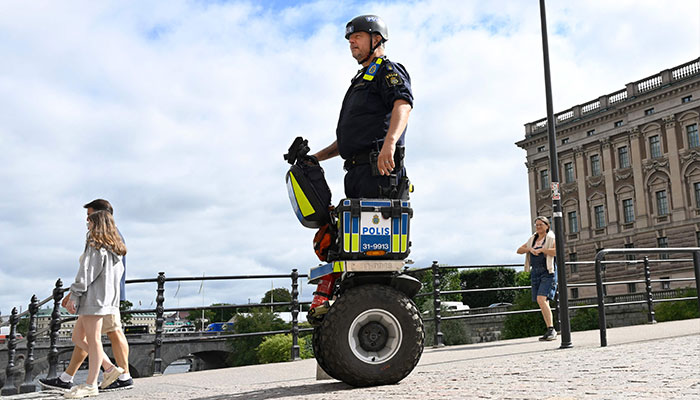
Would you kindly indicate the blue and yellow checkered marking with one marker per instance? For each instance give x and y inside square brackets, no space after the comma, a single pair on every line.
[372,70]
[325,269]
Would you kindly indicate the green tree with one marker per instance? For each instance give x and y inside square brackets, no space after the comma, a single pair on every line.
[196,318]
[125,305]
[244,348]
[278,348]
[677,310]
[222,314]
[523,325]
[449,280]
[584,319]
[487,278]
[278,295]
[527,324]
[23,326]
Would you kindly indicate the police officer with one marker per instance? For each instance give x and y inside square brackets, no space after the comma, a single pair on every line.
[373,117]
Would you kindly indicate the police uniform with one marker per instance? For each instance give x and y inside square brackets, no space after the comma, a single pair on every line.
[364,122]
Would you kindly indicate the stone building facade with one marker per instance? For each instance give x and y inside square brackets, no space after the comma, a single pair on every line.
[629,168]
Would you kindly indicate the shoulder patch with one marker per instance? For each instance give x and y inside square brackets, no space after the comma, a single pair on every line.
[393,79]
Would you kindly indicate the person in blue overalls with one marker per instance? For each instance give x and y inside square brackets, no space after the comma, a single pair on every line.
[373,118]
[539,253]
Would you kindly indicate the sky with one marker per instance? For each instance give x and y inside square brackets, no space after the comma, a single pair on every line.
[179,113]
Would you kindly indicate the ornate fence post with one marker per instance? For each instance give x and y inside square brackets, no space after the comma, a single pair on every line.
[295,314]
[9,388]
[29,386]
[436,304]
[650,296]
[55,327]
[158,342]
[696,268]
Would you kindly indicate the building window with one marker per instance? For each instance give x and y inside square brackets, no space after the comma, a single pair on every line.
[544,179]
[649,111]
[631,288]
[573,222]
[655,146]
[574,267]
[591,132]
[565,141]
[697,238]
[599,213]
[628,211]
[540,149]
[595,165]
[665,282]
[661,203]
[630,257]
[574,293]
[618,123]
[623,157]
[687,99]
[692,131]
[662,243]
[568,172]
[696,186]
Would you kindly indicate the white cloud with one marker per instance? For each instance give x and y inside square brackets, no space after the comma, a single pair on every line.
[179,114]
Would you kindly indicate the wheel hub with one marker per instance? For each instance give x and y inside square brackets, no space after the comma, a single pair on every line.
[373,336]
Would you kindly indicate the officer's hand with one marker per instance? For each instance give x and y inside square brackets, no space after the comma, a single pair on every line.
[385,161]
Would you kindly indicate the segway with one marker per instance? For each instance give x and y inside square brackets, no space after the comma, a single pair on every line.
[367,330]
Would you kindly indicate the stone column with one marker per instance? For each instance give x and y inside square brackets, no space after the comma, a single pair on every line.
[532,182]
[611,204]
[641,219]
[582,201]
[676,203]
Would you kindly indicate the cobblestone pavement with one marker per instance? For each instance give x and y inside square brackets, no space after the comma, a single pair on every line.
[647,362]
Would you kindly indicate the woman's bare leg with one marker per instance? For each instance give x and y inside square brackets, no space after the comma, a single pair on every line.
[546,311]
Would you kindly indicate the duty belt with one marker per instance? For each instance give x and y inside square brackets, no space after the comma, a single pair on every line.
[358,159]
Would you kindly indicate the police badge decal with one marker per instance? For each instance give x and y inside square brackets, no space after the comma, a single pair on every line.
[393,79]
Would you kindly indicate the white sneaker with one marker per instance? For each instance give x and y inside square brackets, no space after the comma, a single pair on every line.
[109,377]
[80,391]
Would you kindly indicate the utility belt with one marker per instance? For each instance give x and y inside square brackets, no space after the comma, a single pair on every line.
[399,187]
[371,156]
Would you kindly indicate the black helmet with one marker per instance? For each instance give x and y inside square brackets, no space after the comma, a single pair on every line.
[367,23]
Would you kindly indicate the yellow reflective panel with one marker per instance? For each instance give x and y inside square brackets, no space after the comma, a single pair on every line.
[304,205]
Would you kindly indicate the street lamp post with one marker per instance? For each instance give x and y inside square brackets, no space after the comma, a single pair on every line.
[557,213]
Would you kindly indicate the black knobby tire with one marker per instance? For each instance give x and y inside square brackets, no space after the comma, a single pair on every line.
[316,343]
[373,335]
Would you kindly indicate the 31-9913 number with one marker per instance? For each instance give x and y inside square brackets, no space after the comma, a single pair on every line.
[375,246]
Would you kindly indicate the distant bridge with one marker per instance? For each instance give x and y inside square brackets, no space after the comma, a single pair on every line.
[211,349]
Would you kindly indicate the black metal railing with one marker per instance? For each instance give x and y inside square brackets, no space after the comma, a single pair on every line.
[599,266]
[12,370]
[646,297]
[295,308]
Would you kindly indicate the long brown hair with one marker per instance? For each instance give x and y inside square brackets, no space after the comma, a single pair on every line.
[104,234]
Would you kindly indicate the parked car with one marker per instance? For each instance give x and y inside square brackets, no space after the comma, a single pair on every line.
[455,306]
[452,306]
[220,327]
[500,305]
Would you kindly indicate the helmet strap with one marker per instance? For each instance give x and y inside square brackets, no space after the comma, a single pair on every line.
[372,48]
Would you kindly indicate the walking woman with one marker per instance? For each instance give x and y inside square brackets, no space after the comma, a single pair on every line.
[539,253]
[94,294]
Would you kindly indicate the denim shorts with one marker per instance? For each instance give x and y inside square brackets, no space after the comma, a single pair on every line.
[543,283]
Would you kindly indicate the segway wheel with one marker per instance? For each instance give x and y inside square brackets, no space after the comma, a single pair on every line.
[373,335]
[319,355]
